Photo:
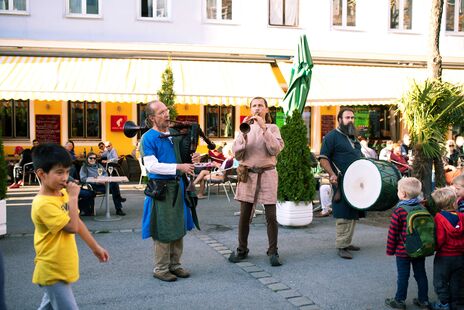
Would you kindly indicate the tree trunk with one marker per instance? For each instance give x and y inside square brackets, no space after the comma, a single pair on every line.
[422,170]
[440,180]
[434,63]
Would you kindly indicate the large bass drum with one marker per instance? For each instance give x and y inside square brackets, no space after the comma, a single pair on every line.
[371,185]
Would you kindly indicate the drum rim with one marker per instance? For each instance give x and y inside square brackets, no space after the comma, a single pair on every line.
[383,162]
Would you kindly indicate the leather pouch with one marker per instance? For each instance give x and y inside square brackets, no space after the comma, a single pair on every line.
[157,189]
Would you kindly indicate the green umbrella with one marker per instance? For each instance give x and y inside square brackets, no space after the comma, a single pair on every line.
[300,79]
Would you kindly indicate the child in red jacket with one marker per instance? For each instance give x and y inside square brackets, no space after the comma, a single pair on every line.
[448,265]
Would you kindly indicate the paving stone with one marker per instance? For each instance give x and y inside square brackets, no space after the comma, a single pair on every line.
[252,269]
[300,301]
[245,264]
[261,274]
[126,230]
[221,248]
[225,252]
[311,307]
[289,293]
[278,287]
[216,244]
[267,281]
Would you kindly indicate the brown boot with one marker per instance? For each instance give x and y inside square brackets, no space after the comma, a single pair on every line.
[165,276]
[180,272]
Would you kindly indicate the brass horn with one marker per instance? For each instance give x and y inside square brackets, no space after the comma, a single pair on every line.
[131,129]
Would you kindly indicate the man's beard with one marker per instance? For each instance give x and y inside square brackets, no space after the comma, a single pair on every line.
[348,130]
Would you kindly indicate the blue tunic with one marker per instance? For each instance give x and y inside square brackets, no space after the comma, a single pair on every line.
[163,150]
[342,151]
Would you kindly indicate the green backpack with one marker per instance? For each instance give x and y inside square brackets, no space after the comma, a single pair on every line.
[420,232]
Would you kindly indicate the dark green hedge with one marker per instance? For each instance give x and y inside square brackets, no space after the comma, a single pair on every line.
[296,179]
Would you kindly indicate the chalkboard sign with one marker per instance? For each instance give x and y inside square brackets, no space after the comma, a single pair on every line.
[47,128]
[187,118]
[327,124]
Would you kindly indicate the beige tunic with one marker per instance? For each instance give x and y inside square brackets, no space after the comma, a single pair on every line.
[260,149]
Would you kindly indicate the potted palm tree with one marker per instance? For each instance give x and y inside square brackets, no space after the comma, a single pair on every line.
[3,185]
[297,185]
[429,109]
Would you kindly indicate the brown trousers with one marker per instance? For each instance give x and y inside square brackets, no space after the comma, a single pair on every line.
[167,255]
[244,227]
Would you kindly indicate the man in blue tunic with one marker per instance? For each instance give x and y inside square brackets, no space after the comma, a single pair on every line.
[167,217]
[339,149]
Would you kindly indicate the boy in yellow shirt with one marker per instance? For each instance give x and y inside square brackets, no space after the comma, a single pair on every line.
[56,219]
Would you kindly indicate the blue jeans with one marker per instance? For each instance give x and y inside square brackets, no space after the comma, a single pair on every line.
[404,270]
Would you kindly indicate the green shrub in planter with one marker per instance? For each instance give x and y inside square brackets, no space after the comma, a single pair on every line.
[3,170]
[296,179]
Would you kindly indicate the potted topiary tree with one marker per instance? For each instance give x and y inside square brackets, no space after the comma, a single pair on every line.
[297,185]
[3,185]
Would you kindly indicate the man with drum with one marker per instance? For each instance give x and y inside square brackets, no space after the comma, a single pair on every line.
[339,150]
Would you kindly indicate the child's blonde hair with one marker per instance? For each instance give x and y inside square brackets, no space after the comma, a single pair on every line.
[411,186]
[444,198]
[458,180]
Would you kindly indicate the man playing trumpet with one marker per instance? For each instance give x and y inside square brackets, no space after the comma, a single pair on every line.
[256,149]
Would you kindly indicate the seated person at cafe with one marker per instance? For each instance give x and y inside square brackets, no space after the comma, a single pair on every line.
[217,156]
[74,171]
[110,154]
[386,151]
[101,150]
[90,169]
[214,175]
[400,162]
[25,157]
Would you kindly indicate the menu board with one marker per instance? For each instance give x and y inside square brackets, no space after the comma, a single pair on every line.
[187,118]
[327,124]
[48,128]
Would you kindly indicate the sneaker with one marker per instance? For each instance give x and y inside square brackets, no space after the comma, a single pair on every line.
[343,253]
[274,260]
[422,305]
[439,306]
[235,258]
[180,272]
[395,304]
[165,276]
[14,185]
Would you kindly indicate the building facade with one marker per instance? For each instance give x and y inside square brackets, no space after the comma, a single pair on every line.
[77,69]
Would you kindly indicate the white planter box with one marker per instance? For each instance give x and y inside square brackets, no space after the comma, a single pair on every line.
[290,213]
[2,217]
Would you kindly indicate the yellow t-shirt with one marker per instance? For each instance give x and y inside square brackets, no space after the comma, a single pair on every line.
[56,250]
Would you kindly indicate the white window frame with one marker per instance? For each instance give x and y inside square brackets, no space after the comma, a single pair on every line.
[218,19]
[283,24]
[11,11]
[401,18]
[84,10]
[154,18]
[344,16]
[457,5]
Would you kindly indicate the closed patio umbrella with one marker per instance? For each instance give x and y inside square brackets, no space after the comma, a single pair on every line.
[300,79]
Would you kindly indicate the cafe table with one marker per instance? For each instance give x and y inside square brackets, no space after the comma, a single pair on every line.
[107,180]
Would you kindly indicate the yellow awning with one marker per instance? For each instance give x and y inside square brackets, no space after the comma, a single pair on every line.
[357,85]
[135,80]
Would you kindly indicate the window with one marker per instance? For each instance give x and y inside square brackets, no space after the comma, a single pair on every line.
[219,9]
[84,119]
[283,12]
[154,9]
[14,118]
[454,10]
[401,14]
[219,121]
[344,13]
[87,8]
[13,6]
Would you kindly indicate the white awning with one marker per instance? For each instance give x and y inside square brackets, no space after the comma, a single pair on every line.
[356,85]
[135,80]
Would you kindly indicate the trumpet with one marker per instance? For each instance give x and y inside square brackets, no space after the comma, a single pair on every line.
[245,126]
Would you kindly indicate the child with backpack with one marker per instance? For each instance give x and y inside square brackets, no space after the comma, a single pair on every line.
[448,265]
[458,185]
[409,253]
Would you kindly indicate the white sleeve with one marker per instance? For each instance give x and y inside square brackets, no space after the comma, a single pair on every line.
[152,165]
